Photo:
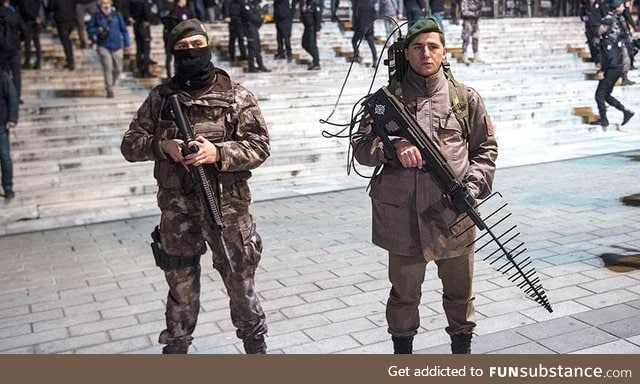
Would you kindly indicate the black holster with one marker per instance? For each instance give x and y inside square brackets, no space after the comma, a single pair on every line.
[167,262]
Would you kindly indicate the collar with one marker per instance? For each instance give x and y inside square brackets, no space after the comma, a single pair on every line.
[416,85]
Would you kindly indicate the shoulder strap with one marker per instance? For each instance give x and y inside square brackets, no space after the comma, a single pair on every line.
[459,97]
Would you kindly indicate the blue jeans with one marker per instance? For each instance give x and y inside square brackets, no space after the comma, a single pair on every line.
[439,16]
[5,160]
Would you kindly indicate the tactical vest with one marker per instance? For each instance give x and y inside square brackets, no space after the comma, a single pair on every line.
[458,97]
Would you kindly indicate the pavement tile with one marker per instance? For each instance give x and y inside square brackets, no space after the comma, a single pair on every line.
[313,308]
[609,298]
[577,340]
[117,347]
[499,323]
[531,348]
[549,328]
[331,345]
[622,328]
[612,348]
[355,311]
[337,329]
[496,341]
[70,344]
[605,315]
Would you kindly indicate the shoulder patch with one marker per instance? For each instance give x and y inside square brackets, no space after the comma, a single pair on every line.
[489,124]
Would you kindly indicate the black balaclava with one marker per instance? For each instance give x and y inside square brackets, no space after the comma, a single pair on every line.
[194,69]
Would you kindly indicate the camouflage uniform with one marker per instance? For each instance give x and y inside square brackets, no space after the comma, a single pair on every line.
[227,115]
[470,13]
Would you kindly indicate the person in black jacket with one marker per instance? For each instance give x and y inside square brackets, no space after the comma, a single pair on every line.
[611,59]
[593,12]
[232,11]
[64,14]
[252,21]
[283,15]
[140,11]
[15,31]
[311,17]
[29,10]
[9,110]
[171,14]
[364,13]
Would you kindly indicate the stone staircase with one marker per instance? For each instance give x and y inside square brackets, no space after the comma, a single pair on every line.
[69,171]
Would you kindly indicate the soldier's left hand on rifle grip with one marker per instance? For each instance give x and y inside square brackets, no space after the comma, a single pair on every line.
[408,154]
[173,149]
[207,153]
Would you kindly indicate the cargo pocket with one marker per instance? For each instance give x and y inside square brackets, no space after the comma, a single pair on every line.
[452,143]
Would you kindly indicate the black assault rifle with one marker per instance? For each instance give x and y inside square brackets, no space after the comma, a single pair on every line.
[209,194]
[391,119]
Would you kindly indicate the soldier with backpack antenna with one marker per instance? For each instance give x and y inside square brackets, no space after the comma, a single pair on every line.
[411,211]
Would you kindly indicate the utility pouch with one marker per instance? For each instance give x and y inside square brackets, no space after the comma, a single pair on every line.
[167,262]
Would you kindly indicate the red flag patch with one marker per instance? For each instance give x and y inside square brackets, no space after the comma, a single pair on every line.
[489,124]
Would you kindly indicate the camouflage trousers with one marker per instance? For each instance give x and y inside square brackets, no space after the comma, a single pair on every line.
[183,235]
[470,31]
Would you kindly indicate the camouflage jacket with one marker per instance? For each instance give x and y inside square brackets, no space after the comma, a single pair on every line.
[227,115]
[471,9]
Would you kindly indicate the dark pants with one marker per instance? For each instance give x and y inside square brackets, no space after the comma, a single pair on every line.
[6,165]
[407,275]
[142,33]
[11,65]
[253,45]
[310,45]
[236,33]
[355,41]
[283,36]
[64,32]
[603,92]
[34,36]
[592,41]
[414,13]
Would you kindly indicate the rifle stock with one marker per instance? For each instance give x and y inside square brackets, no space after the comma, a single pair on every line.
[209,194]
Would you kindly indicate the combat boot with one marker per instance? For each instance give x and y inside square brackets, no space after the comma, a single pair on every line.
[255,345]
[627,116]
[402,345]
[175,350]
[461,343]
[465,59]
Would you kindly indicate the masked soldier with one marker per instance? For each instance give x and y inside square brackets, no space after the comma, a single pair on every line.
[411,213]
[231,139]
[611,65]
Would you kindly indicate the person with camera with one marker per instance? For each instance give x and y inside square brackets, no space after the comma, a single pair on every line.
[108,29]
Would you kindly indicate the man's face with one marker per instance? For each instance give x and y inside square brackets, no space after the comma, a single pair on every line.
[105,5]
[425,53]
[197,41]
[620,9]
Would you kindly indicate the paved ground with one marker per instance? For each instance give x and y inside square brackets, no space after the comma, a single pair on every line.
[95,289]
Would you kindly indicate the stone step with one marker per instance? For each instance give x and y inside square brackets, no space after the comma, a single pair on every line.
[69,136]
